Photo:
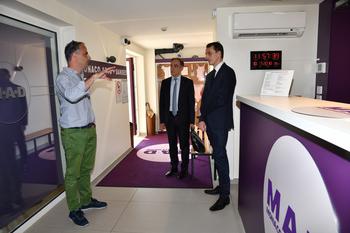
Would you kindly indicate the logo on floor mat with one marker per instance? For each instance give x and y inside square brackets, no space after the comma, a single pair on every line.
[156,153]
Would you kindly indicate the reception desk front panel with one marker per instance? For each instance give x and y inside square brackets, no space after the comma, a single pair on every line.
[290,180]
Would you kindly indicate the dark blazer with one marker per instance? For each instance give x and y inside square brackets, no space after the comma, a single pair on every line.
[13,108]
[217,99]
[185,103]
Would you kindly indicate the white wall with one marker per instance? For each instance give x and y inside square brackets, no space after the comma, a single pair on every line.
[187,52]
[112,119]
[298,54]
[151,82]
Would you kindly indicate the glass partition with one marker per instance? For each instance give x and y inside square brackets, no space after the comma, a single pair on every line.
[30,162]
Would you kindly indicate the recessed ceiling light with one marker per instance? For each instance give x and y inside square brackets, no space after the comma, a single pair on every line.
[164,29]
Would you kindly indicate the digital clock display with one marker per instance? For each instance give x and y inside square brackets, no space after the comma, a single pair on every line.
[265,60]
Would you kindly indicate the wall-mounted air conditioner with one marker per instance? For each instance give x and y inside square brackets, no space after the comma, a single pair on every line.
[268,24]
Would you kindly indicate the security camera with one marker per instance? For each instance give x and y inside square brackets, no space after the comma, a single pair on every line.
[111,59]
[125,41]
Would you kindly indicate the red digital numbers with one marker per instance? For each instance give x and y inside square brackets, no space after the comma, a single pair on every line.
[263,60]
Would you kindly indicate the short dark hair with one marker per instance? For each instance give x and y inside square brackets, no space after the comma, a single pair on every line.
[5,73]
[178,59]
[70,48]
[217,46]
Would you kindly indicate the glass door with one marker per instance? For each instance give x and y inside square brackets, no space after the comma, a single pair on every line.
[30,162]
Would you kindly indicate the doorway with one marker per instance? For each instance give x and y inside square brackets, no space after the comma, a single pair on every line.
[130,68]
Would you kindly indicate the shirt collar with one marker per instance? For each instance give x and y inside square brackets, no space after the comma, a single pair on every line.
[218,66]
[70,71]
[176,77]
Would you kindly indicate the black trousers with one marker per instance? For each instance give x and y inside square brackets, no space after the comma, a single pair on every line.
[218,141]
[10,182]
[178,130]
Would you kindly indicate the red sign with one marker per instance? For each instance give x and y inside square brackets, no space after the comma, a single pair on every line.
[265,60]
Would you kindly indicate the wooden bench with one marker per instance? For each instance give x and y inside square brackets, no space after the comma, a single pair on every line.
[208,151]
[38,134]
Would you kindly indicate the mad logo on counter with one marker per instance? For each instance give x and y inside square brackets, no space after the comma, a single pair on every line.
[295,198]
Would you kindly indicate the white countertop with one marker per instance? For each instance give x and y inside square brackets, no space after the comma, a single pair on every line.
[335,131]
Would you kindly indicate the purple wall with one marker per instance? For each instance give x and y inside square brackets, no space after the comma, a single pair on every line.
[334,49]
[258,133]
[339,61]
[324,37]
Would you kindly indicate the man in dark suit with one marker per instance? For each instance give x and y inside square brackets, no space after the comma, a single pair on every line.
[176,108]
[217,117]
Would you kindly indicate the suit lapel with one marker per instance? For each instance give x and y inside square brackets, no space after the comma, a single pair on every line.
[182,83]
[210,81]
[219,73]
[169,91]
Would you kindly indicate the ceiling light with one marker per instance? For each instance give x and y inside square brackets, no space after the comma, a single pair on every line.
[164,29]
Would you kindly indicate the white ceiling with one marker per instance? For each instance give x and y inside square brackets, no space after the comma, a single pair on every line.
[188,21]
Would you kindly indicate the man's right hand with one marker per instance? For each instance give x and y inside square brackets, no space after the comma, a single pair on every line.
[162,126]
[103,73]
[202,126]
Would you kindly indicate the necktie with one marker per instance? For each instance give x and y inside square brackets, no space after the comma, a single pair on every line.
[174,110]
[214,72]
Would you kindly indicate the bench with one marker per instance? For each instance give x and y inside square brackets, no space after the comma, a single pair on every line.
[207,152]
[38,134]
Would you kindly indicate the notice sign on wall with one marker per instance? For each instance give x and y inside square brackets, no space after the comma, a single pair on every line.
[97,66]
[265,60]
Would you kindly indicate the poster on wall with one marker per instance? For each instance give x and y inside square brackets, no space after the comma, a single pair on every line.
[118,91]
[266,60]
[97,66]
[124,91]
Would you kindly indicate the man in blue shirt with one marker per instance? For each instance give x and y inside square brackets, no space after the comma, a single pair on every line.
[78,130]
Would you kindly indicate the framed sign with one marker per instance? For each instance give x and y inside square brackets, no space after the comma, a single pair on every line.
[265,60]
[97,66]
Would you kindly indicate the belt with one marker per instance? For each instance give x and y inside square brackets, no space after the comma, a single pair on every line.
[90,125]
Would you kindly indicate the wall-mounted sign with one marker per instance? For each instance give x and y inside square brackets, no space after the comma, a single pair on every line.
[97,66]
[265,60]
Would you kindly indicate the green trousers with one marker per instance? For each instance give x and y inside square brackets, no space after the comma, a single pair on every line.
[80,149]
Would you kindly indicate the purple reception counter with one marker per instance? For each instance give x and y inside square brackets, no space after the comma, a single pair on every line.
[294,169]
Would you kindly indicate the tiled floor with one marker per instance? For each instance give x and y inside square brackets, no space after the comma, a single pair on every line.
[146,210]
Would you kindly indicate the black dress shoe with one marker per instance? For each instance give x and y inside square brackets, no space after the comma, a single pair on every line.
[215,191]
[171,173]
[182,175]
[220,204]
